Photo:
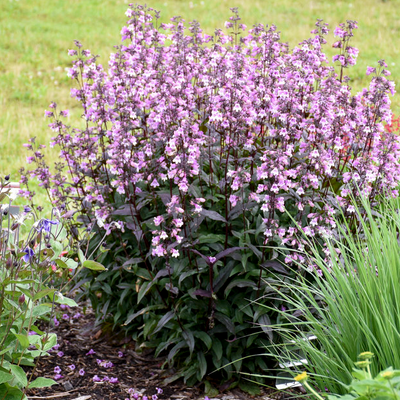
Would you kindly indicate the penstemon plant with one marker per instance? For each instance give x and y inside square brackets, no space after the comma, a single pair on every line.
[195,150]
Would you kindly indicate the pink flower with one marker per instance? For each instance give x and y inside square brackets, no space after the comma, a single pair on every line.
[370,70]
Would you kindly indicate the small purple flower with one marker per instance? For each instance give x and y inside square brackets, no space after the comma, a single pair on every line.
[113,380]
[120,354]
[57,369]
[56,323]
[81,372]
[56,347]
[71,367]
[57,377]
[96,379]
[72,52]
[108,364]
[45,225]
[145,398]
[29,253]
[60,354]
[98,361]
[77,315]
[65,316]
[106,379]
[91,351]
[63,306]
[154,397]
[27,209]
[159,391]
[31,333]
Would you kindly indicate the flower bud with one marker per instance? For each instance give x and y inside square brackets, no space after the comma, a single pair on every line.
[21,299]
[9,262]
[362,364]
[388,375]
[7,177]
[366,355]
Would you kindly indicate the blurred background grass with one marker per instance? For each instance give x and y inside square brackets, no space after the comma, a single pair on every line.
[36,34]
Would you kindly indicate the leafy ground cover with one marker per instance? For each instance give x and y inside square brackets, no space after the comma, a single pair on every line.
[122,372]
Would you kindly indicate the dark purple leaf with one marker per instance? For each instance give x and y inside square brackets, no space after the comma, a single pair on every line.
[225,321]
[226,252]
[126,209]
[240,283]
[213,215]
[132,261]
[265,324]
[205,258]
[165,197]
[163,272]
[275,265]
[68,214]
[239,209]
[171,288]
[164,320]
[202,293]
[223,276]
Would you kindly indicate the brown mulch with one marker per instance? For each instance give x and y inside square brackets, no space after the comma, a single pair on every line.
[139,373]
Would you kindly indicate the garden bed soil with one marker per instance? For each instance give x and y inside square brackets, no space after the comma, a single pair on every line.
[140,372]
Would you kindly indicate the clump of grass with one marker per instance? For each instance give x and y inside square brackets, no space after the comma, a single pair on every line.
[353,308]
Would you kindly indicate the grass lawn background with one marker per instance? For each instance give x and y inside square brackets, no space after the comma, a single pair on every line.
[36,34]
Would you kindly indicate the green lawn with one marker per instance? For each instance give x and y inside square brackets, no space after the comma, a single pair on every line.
[36,34]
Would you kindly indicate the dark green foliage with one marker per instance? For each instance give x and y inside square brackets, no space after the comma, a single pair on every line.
[197,313]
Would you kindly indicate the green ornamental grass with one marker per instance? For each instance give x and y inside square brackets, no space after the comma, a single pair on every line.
[353,308]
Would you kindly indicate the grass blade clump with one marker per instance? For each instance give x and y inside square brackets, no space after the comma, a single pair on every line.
[353,308]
